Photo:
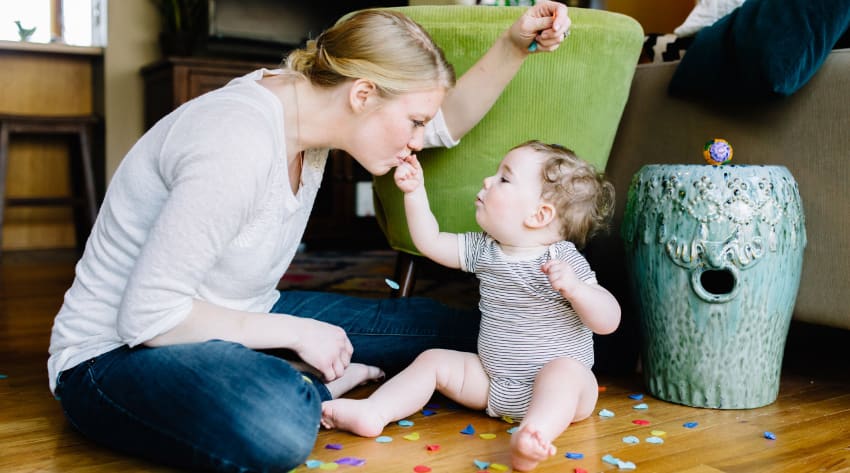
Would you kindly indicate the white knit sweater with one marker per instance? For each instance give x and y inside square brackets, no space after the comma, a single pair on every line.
[200,208]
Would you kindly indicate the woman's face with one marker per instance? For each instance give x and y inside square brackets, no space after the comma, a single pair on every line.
[391,129]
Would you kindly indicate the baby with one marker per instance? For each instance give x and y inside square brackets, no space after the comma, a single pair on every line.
[540,303]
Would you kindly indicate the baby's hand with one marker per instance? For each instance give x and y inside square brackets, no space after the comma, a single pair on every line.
[561,276]
[408,174]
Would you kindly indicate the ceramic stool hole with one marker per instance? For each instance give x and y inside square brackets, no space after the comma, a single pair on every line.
[718,282]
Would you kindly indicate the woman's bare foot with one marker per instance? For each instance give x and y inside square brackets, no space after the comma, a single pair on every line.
[357,416]
[528,449]
[355,375]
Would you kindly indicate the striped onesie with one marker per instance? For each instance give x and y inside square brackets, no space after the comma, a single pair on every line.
[525,323]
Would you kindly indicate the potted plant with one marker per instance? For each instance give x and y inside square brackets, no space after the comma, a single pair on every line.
[183,25]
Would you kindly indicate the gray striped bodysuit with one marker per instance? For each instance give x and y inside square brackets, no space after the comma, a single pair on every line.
[525,323]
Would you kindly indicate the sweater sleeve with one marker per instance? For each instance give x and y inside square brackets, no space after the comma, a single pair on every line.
[213,167]
[437,133]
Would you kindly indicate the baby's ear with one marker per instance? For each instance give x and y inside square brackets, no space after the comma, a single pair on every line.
[543,216]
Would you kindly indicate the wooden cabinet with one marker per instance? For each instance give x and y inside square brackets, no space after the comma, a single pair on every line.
[334,222]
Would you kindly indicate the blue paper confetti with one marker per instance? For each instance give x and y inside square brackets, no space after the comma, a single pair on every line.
[641,407]
[574,455]
[428,412]
[405,423]
[512,430]
[468,430]
[690,425]
[392,284]
[384,439]
[770,435]
[608,458]
[480,464]
[655,440]
[631,439]
[636,397]
[606,413]
[311,464]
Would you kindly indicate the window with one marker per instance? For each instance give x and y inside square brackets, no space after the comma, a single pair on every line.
[74,22]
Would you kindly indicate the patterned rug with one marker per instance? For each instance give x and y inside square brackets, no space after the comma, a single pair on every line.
[365,273]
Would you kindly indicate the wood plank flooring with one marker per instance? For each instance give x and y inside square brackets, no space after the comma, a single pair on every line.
[811,417]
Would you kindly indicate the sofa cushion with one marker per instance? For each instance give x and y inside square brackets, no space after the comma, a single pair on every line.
[763,48]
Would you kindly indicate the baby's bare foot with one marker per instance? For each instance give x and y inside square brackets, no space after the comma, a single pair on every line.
[357,416]
[355,375]
[528,449]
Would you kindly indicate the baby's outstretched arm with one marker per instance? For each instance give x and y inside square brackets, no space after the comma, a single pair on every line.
[597,307]
[438,246]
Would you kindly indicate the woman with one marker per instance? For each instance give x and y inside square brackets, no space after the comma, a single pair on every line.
[156,350]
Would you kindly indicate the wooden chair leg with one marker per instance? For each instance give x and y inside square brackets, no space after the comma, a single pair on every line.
[405,274]
[4,158]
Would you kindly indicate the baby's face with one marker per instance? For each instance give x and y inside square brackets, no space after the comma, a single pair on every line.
[510,196]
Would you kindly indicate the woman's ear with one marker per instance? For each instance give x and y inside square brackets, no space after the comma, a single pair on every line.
[361,94]
[543,216]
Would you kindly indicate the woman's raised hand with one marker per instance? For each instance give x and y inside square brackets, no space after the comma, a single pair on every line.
[546,25]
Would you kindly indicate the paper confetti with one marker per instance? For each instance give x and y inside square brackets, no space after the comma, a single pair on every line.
[498,467]
[329,466]
[488,436]
[626,465]
[512,430]
[392,284]
[690,425]
[641,407]
[405,423]
[640,422]
[608,458]
[333,446]
[469,430]
[770,435]
[351,461]
[413,436]
[574,455]
[432,447]
[3,376]
[658,433]
[384,439]
[428,412]
[631,439]
[606,413]
[508,419]
[580,470]
[602,389]
[655,440]
[311,464]
[421,469]
[636,397]
[480,464]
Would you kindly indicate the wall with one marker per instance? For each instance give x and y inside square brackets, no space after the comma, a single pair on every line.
[133,29]
[656,16]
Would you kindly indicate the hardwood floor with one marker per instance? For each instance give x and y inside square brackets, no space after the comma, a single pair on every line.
[811,417]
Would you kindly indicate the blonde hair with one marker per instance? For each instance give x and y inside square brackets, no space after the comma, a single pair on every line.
[383,46]
[583,198]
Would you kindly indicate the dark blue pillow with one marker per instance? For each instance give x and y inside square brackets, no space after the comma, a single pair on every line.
[763,48]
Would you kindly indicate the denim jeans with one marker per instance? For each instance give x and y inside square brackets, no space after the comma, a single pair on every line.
[220,406]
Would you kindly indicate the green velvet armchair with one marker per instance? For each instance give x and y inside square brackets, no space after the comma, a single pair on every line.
[574,97]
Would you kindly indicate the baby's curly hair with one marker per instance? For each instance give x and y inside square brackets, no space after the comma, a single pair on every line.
[583,198]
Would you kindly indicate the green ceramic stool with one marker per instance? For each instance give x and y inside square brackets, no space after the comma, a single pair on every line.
[714,259]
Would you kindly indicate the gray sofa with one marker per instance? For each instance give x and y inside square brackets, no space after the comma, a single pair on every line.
[807,132]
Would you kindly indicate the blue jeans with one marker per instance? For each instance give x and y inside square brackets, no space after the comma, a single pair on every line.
[223,407]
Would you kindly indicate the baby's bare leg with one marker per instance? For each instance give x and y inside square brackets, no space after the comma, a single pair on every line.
[457,375]
[565,391]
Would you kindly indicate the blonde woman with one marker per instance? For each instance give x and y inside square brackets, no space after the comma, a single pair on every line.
[162,346]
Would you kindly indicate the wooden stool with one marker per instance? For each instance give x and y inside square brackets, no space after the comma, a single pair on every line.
[81,199]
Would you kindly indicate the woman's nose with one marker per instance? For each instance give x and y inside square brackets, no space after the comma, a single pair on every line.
[417,141]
